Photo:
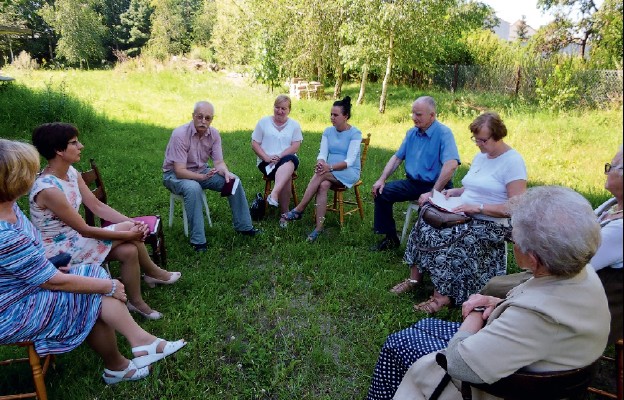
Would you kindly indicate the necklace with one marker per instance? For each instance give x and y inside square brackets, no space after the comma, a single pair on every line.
[55,173]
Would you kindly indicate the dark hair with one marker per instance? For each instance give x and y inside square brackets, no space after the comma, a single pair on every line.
[53,137]
[493,121]
[345,104]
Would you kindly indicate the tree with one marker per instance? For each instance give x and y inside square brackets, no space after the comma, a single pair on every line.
[522,31]
[136,26]
[172,27]
[606,51]
[80,29]
[25,13]
[577,16]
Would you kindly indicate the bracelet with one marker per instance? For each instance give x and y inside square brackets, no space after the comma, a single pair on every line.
[112,291]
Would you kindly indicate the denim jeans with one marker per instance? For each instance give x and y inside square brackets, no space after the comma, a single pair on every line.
[191,190]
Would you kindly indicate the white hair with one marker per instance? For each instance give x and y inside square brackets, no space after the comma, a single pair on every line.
[558,226]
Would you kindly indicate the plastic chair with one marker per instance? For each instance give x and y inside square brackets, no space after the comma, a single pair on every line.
[156,238]
[172,198]
[338,204]
[267,189]
[619,380]
[413,206]
[38,372]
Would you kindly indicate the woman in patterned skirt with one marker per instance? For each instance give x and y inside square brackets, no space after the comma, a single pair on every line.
[58,309]
[338,163]
[463,258]
[55,200]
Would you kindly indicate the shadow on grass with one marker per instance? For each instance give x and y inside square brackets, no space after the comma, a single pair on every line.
[271,317]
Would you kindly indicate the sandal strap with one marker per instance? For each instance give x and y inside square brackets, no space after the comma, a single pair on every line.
[405,286]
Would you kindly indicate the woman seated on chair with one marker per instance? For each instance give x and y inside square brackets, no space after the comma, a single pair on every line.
[58,309]
[54,202]
[276,140]
[556,321]
[463,258]
[338,163]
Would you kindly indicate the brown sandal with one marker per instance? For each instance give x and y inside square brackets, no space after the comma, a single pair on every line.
[406,286]
[430,306]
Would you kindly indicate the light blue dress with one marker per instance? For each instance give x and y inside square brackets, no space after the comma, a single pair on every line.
[55,321]
[338,146]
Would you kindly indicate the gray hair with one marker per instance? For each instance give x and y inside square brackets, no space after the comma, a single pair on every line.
[617,156]
[201,103]
[428,100]
[558,226]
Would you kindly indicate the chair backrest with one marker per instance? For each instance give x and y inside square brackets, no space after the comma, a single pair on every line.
[365,143]
[93,179]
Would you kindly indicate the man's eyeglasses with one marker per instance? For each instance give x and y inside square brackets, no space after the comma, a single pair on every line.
[609,167]
[207,118]
[73,142]
[479,141]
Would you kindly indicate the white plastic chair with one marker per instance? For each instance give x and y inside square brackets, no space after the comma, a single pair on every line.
[173,198]
[413,206]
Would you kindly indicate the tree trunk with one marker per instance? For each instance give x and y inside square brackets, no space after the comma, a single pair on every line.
[384,86]
[11,50]
[338,86]
[360,99]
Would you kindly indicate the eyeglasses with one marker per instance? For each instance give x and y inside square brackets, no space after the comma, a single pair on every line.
[207,118]
[609,167]
[479,141]
[74,142]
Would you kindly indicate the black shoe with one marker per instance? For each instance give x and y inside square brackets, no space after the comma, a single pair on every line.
[200,248]
[388,243]
[251,232]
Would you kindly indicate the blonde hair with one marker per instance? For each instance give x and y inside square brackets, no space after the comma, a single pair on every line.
[282,98]
[19,164]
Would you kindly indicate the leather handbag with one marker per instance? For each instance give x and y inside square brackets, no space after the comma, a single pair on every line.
[441,219]
[257,208]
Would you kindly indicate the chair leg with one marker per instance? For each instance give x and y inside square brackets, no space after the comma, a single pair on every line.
[340,207]
[184,219]
[35,365]
[358,199]
[294,192]
[267,192]
[408,217]
[207,211]
[171,209]
[160,251]
[619,356]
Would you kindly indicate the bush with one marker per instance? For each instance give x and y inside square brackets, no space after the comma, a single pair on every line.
[25,61]
[557,92]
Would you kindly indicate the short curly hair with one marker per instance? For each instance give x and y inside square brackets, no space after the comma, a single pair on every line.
[52,137]
[494,123]
[19,164]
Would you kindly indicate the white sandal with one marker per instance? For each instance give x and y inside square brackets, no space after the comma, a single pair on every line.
[152,352]
[112,377]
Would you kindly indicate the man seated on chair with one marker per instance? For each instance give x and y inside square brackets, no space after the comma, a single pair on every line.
[431,158]
[186,173]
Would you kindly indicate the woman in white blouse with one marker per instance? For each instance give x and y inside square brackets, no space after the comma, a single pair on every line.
[276,140]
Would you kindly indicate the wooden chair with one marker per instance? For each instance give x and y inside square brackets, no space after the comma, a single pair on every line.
[338,204]
[524,385]
[267,189]
[156,238]
[619,379]
[38,372]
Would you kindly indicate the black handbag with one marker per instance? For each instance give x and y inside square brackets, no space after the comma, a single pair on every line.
[257,208]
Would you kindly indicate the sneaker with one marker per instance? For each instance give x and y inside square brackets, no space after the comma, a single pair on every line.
[200,248]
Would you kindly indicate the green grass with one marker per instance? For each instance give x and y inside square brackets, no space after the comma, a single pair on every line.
[271,317]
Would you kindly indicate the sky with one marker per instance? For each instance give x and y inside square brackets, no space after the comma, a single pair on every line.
[513,10]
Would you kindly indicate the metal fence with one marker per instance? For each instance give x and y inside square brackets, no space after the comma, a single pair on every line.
[595,87]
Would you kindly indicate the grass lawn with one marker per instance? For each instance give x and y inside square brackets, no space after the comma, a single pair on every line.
[271,317]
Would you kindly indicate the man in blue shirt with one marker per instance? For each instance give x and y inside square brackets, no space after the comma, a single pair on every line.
[431,158]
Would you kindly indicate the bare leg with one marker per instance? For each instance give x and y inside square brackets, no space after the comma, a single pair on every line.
[321,204]
[415,273]
[312,188]
[281,190]
[148,266]
[127,254]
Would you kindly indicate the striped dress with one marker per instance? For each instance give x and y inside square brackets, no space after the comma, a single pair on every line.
[56,322]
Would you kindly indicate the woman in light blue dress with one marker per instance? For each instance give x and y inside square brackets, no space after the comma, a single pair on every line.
[338,164]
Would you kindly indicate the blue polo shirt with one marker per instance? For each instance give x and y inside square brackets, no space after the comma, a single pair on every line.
[424,154]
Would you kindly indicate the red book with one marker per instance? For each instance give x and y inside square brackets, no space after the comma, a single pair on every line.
[229,188]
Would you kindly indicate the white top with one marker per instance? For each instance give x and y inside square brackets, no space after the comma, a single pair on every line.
[487,179]
[273,141]
[610,253]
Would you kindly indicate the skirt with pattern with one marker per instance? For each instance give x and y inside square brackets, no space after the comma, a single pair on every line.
[460,259]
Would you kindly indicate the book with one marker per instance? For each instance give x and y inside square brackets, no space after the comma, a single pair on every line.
[229,188]
[440,201]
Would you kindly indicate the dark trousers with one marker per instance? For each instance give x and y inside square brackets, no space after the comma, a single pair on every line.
[612,281]
[395,191]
